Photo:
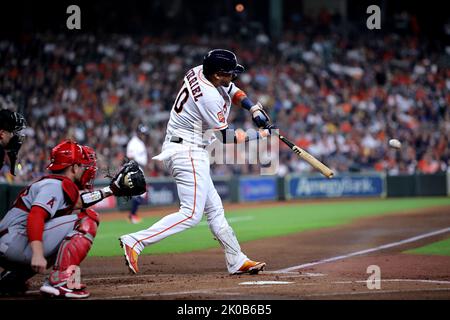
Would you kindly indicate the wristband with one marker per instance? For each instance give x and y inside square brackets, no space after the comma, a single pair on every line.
[90,198]
[246,103]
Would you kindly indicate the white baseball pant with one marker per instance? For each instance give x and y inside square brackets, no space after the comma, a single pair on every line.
[190,168]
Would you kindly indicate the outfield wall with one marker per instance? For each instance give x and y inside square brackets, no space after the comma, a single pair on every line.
[348,186]
[163,191]
[448,183]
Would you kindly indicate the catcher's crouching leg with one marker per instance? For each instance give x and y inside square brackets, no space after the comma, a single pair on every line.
[74,248]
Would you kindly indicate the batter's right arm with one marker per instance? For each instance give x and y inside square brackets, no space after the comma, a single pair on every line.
[259,115]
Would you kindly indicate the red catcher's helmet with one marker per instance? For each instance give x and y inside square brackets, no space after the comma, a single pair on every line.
[90,162]
[65,154]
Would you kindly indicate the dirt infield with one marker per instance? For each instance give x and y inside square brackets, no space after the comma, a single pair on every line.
[202,274]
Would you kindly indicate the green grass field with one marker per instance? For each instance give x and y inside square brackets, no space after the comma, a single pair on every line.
[441,248]
[252,224]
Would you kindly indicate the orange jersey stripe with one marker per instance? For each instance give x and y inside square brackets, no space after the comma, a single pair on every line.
[238,96]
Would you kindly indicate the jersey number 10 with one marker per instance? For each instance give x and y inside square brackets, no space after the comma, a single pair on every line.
[181,99]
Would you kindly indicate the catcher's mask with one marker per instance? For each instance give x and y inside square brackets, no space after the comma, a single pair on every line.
[90,165]
[15,123]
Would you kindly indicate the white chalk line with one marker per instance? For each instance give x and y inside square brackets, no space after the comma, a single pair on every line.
[301,275]
[175,293]
[357,253]
[127,277]
[148,295]
[372,292]
[396,280]
[264,283]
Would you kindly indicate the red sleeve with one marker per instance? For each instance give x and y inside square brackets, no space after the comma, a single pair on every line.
[35,223]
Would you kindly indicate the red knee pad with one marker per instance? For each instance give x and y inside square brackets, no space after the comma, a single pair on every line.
[88,221]
[75,246]
[91,213]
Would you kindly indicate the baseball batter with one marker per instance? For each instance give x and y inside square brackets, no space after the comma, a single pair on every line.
[203,103]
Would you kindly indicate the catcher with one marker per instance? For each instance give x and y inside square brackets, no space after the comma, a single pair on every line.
[50,224]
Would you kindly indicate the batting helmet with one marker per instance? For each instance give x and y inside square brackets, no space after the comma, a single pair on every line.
[142,128]
[65,154]
[221,60]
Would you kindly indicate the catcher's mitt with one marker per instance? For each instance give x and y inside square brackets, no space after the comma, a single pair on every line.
[129,181]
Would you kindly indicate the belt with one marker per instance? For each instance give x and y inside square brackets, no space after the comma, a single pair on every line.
[3,232]
[176,139]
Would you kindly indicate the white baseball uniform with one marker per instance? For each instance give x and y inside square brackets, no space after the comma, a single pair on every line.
[199,106]
[136,150]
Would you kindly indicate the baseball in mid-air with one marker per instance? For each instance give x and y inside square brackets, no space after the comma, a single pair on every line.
[394,143]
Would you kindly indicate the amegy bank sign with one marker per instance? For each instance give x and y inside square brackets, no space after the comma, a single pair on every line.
[372,185]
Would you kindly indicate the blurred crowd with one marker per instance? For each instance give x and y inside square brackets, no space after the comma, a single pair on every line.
[341,98]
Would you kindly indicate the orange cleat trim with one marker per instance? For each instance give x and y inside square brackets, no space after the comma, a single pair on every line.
[251,267]
[131,257]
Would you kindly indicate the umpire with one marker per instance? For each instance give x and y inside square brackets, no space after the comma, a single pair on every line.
[12,125]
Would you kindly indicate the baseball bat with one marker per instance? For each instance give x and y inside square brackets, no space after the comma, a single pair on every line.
[327,172]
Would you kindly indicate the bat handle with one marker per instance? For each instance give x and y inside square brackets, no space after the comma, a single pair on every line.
[277,132]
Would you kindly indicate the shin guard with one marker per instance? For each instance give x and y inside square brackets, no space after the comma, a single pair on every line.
[75,247]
